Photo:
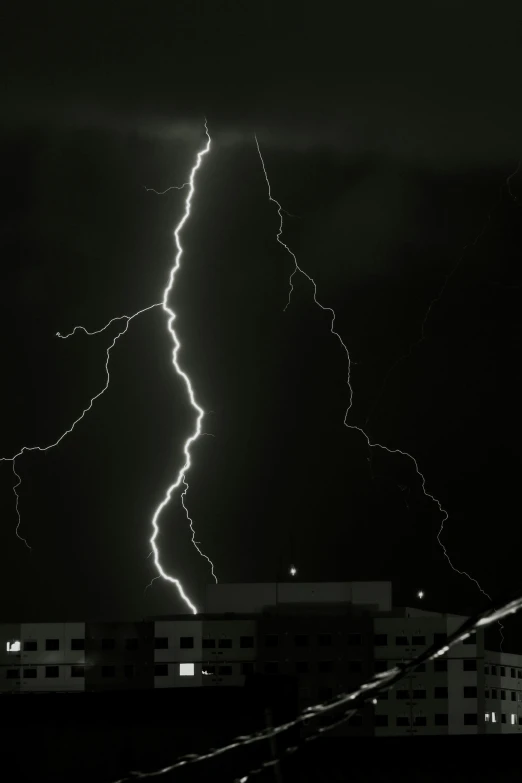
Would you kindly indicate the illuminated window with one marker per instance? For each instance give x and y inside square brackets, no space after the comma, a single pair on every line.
[513,719]
[486,717]
[13,646]
[493,717]
[186,669]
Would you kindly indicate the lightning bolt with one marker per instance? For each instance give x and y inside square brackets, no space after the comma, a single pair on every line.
[331,312]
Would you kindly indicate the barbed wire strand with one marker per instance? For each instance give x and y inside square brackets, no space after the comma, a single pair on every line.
[355,699]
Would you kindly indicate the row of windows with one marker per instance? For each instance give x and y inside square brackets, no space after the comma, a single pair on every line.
[502,671]
[493,694]
[492,718]
[439,692]
[439,719]
[52,672]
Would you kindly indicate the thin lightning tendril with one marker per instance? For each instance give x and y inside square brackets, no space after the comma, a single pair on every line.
[162,192]
[369,443]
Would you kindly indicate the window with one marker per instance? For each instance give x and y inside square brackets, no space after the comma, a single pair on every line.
[108,644]
[380,666]
[246,641]
[469,665]
[77,671]
[380,639]
[325,666]
[402,721]
[440,638]
[52,644]
[440,665]
[502,671]
[381,720]
[108,671]
[486,669]
[225,644]
[161,669]
[247,667]
[420,720]
[301,640]
[513,674]
[503,695]
[161,643]
[470,719]
[271,667]
[13,674]
[354,666]
[30,645]
[440,692]
[272,640]
[354,639]
[30,674]
[326,693]
[301,667]
[471,639]
[470,692]
[186,670]
[77,644]
[519,673]
[441,719]
[208,644]
[513,696]
[503,717]
[486,693]
[486,717]
[493,693]
[13,646]
[421,667]
[186,642]
[418,640]
[401,641]
[208,671]
[225,669]
[419,693]
[403,694]
[513,718]
[324,639]
[493,717]
[131,644]
[128,671]
[52,671]
[493,670]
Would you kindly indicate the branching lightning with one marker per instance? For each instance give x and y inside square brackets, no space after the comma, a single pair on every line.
[370,444]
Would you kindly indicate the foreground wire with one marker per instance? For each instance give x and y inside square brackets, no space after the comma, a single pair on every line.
[352,701]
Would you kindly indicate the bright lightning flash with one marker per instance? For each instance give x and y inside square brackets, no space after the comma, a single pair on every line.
[331,313]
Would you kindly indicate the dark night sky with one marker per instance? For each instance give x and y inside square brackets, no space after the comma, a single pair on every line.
[389,134]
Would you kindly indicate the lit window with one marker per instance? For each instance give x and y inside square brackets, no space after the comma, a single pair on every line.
[13,646]
[513,719]
[493,717]
[486,716]
[186,669]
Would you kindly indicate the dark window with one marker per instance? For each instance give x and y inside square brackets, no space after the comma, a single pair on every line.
[225,670]
[30,674]
[470,692]
[301,667]
[440,638]
[383,696]
[161,669]
[161,643]
[354,639]
[30,645]
[225,644]
[131,644]
[128,671]
[52,644]
[419,720]
[108,644]
[272,640]
[401,641]
[421,667]
[186,642]
[513,673]
[493,670]
[13,674]
[326,693]
[402,721]
[354,666]
[513,696]
[470,719]
[247,667]
[440,692]
[301,640]
[503,695]
[52,671]
[380,666]
[380,639]
[324,639]
[246,641]
[271,667]
[503,717]
[486,693]
[502,671]
[440,665]
[77,644]
[469,665]
[441,719]
[325,666]
[108,671]
[381,720]
[418,640]
[403,694]
[471,639]
[419,693]
[519,673]
[208,643]
[77,671]
[493,693]
[486,669]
